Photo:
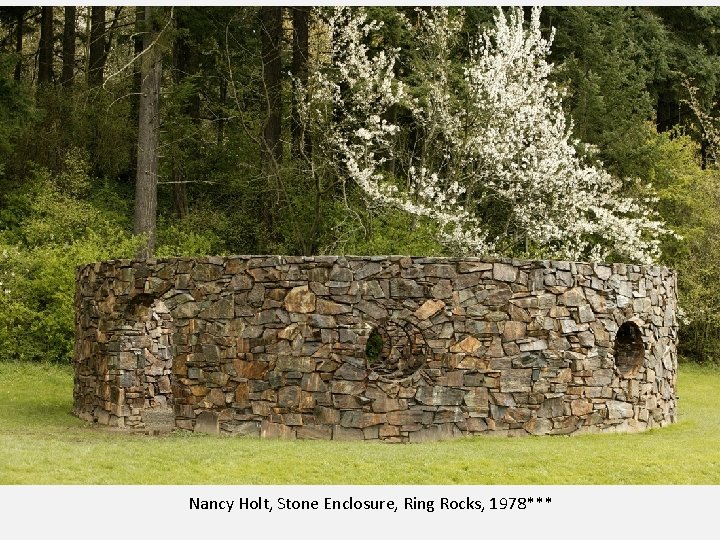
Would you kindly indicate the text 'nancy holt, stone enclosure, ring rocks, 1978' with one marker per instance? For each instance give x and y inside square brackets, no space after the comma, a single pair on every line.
[390,348]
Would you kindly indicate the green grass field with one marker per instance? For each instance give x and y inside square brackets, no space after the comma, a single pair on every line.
[41,443]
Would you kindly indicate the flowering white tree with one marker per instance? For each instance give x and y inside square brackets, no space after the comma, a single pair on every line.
[496,168]
[345,104]
[523,154]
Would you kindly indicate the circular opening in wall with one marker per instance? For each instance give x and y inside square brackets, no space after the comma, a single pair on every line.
[374,347]
[396,351]
[629,348]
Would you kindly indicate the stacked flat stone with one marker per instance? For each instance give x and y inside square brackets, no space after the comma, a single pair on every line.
[278,346]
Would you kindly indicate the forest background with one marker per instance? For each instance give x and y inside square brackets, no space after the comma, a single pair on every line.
[241,157]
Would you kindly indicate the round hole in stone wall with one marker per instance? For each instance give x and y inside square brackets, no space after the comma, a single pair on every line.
[629,348]
[396,351]
[374,347]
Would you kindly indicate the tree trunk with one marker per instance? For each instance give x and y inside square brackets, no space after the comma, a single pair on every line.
[96,64]
[185,64]
[271,35]
[148,139]
[221,122]
[300,139]
[19,42]
[136,81]
[46,46]
[68,55]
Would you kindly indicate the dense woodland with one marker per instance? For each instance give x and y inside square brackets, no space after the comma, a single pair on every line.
[584,132]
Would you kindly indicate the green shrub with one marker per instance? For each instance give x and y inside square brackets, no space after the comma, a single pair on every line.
[689,200]
[55,230]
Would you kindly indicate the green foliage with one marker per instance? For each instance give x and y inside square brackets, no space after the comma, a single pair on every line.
[93,120]
[58,230]
[374,346]
[188,239]
[689,199]
[358,230]
[608,58]
[67,155]
[15,106]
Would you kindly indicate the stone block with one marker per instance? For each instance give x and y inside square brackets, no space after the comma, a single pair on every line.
[405,288]
[274,430]
[434,433]
[474,425]
[551,408]
[388,431]
[315,432]
[327,415]
[429,308]
[472,266]
[513,330]
[289,396]
[449,414]
[516,380]
[301,364]
[322,321]
[127,360]
[573,297]
[346,401]
[347,387]
[477,399]
[381,403]
[538,426]
[468,345]
[340,433]
[207,422]
[359,419]
[242,395]
[243,429]
[312,382]
[254,369]
[159,420]
[481,328]
[498,297]
[350,372]
[581,407]
[300,300]
[327,307]
[367,270]
[403,418]
[619,409]
[439,395]
[504,272]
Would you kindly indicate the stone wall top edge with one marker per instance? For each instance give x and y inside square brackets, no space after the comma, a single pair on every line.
[295,259]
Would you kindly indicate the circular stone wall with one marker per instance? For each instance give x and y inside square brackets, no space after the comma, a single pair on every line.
[391,348]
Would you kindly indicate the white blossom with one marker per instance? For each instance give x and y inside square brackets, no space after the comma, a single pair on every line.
[493,136]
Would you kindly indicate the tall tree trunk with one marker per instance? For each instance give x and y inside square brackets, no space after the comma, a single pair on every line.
[185,64]
[68,54]
[19,42]
[148,139]
[136,82]
[46,46]
[221,122]
[301,20]
[271,36]
[96,64]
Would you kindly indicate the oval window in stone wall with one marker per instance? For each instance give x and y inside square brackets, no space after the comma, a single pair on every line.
[629,348]
[395,350]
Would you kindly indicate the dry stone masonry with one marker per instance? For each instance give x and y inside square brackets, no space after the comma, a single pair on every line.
[391,348]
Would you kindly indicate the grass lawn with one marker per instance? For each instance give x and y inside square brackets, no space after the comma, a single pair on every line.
[41,443]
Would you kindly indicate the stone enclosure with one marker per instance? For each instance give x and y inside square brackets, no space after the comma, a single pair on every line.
[391,348]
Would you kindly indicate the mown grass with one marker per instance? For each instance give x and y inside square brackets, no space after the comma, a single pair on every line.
[41,443]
